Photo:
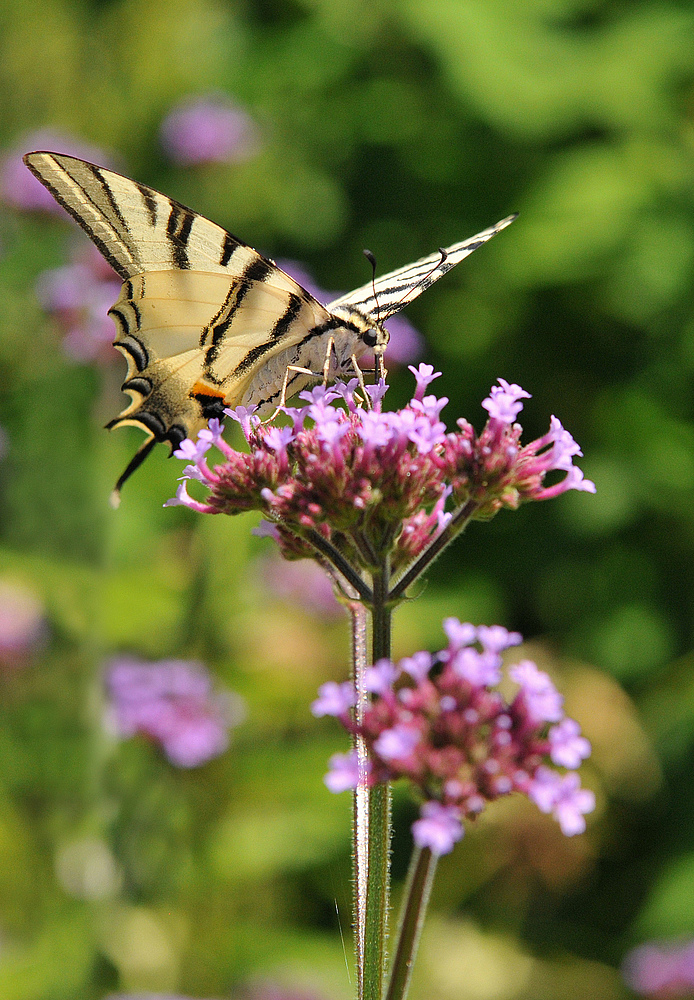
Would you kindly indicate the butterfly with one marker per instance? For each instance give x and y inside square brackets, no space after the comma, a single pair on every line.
[204,321]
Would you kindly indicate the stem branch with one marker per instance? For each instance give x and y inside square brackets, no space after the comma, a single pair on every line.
[414,906]
[340,563]
[457,523]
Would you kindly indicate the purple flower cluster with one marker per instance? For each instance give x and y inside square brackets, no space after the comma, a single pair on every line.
[437,720]
[662,970]
[370,481]
[173,703]
[208,129]
[79,295]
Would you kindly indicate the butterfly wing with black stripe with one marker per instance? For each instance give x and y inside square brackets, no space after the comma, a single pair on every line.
[199,311]
[391,292]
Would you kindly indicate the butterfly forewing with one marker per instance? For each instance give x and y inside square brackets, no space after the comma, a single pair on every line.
[391,292]
[135,227]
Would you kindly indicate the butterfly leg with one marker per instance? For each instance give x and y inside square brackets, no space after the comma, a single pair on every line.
[295,370]
[360,378]
[326,364]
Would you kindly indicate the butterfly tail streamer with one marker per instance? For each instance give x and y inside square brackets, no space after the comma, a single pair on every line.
[134,463]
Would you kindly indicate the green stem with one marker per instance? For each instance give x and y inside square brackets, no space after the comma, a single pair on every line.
[376,924]
[360,801]
[414,906]
[339,562]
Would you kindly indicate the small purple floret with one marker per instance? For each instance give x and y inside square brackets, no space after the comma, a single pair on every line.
[439,828]
[344,772]
[567,747]
[542,700]
[333,699]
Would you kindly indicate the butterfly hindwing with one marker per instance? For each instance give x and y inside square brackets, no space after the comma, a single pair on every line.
[194,340]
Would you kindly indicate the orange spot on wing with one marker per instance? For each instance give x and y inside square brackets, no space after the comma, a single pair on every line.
[203,389]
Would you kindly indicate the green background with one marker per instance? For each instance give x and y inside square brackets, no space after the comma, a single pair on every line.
[401,126]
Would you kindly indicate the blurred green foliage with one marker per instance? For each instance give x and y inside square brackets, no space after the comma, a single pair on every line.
[401,125]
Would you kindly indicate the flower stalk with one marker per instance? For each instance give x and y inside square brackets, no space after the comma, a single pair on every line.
[379,835]
[364,492]
[420,879]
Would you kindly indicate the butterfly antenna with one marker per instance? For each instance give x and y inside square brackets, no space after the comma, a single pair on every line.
[372,260]
[425,277]
[134,463]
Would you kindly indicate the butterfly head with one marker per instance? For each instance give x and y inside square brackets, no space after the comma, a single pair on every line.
[375,339]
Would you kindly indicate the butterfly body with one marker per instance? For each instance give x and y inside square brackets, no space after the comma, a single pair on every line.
[204,321]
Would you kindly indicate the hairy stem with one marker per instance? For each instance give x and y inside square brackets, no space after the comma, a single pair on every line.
[360,802]
[376,925]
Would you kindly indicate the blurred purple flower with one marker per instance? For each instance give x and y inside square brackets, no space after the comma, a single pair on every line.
[79,296]
[18,186]
[661,969]
[334,699]
[208,129]
[173,703]
[439,827]
[275,991]
[22,623]
[344,771]
[302,583]
[406,343]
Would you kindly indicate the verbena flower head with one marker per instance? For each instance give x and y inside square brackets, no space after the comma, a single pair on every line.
[209,129]
[173,703]
[439,721]
[661,969]
[371,482]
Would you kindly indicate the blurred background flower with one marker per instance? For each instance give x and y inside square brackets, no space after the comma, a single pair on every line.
[208,129]
[79,296]
[174,704]
[302,583]
[661,969]
[23,626]
[20,189]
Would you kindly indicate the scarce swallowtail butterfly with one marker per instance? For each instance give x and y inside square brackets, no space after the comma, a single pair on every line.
[206,322]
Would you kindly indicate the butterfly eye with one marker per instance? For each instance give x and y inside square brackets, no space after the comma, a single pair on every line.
[370,338]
